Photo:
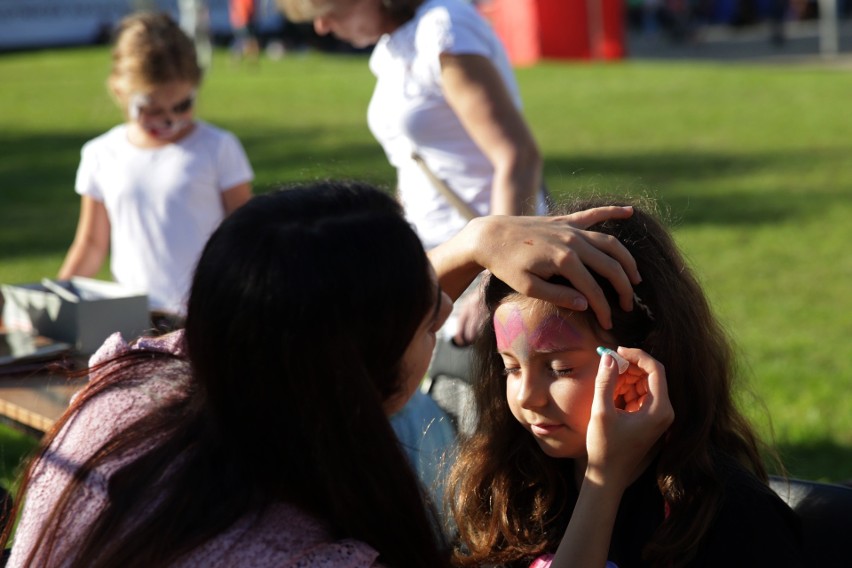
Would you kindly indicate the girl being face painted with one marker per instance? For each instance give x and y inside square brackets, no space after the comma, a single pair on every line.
[550,366]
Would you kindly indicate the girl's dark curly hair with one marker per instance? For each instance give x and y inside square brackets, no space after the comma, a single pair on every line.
[511,502]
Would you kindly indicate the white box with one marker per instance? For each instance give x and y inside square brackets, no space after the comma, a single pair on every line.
[82,314]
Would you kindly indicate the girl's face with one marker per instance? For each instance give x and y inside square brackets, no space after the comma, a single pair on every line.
[418,354]
[165,113]
[359,22]
[551,365]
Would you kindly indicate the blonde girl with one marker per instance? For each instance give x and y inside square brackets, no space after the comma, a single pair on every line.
[155,187]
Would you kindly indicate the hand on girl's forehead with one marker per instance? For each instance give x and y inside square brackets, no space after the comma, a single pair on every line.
[526,328]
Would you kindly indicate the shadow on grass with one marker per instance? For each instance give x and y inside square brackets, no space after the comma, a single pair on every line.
[15,448]
[39,209]
[317,153]
[814,459]
[672,177]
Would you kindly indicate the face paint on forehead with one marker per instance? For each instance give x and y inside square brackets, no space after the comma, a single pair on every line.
[507,333]
[554,334]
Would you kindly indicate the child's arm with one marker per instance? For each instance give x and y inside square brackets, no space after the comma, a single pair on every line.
[236,197]
[620,446]
[91,242]
[525,252]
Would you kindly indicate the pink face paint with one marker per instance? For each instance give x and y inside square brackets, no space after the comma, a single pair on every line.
[550,335]
[509,332]
[554,334]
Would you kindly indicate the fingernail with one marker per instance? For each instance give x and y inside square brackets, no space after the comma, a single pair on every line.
[579,304]
[622,362]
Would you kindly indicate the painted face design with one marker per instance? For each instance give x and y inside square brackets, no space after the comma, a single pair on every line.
[162,124]
[550,367]
[551,334]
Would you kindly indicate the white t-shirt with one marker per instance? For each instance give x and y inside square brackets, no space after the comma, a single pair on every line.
[163,204]
[408,112]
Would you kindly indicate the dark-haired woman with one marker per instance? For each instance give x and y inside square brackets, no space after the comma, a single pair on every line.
[259,436]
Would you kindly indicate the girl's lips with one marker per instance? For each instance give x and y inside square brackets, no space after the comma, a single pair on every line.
[545,429]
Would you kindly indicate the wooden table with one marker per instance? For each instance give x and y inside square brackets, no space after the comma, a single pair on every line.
[35,394]
[35,400]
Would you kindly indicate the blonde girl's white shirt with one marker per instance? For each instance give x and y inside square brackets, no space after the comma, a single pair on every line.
[408,112]
[163,204]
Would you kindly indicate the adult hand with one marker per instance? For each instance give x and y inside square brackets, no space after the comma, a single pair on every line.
[629,414]
[525,252]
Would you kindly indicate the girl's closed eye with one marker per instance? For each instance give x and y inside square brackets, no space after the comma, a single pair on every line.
[508,371]
[561,371]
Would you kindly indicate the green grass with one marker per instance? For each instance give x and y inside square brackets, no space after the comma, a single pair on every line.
[751,161]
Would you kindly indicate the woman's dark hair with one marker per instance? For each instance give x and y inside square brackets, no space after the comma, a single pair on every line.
[302,305]
[511,502]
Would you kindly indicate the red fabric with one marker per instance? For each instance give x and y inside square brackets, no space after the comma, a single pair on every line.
[241,12]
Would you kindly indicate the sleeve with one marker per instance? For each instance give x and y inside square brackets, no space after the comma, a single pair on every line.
[457,32]
[86,181]
[454,30]
[232,163]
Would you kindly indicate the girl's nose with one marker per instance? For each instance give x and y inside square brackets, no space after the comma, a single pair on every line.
[531,393]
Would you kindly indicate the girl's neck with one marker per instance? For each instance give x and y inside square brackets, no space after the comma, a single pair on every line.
[140,138]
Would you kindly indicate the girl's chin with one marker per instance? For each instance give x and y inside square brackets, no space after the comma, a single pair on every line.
[561,452]
[162,135]
[167,134]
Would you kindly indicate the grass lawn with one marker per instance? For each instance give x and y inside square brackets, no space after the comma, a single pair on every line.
[752,163]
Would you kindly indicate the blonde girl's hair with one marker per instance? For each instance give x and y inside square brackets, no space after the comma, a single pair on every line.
[151,50]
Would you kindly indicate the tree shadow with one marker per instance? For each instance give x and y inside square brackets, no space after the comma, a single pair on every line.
[671,178]
[39,207]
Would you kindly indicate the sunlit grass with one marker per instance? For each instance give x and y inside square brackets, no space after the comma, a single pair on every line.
[752,163]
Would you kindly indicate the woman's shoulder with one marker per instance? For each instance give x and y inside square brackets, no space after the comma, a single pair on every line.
[281,535]
[446,15]
[131,378]
[454,27]
[452,8]
[115,345]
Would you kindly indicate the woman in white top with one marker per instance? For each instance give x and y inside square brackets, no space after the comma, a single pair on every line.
[445,91]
